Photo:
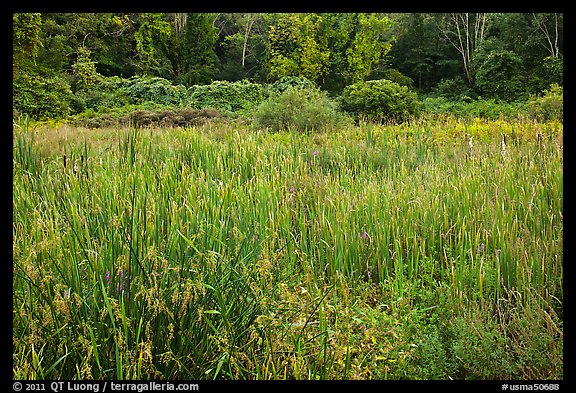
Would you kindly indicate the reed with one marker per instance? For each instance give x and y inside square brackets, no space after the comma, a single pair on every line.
[225,252]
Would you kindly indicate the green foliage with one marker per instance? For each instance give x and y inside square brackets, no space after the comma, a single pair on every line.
[151,37]
[145,115]
[468,108]
[191,53]
[226,96]
[550,106]
[105,95]
[299,109]
[514,339]
[329,49]
[392,74]
[41,97]
[454,89]
[114,92]
[294,47]
[501,75]
[84,70]
[287,82]
[26,29]
[379,100]
[224,252]
[554,69]
[155,89]
[368,46]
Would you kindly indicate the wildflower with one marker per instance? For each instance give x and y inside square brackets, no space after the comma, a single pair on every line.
[365,235]
[291,190]
[107,276]
[315,152]
[369,277]
[482,248]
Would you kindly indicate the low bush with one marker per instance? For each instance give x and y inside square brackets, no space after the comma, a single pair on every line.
[151,115]
[550,106]
[299,109]
[379,100]
[226,96]
[483,108]
[41,97]
[157,90]
[287,82]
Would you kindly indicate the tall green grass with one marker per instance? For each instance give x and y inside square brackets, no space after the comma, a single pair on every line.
[228,252]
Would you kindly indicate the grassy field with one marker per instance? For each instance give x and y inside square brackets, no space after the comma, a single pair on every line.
[427,250]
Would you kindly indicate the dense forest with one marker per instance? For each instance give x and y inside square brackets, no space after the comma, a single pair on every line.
[67,63]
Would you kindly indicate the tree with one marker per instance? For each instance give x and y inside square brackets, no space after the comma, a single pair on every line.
[151,36]
[420,51]
[333,50]
[241,46]
[500,74]
[369,45]
[84,69]
[294,47]
[25,38]
[550,26]
[465,32]
[192,56]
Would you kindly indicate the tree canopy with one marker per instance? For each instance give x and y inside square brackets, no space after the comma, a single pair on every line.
[507,56]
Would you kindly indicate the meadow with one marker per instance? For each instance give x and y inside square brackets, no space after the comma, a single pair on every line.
[431,249]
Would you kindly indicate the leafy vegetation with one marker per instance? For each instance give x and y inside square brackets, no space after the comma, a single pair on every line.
[173,56]
[380,100]
[299,109]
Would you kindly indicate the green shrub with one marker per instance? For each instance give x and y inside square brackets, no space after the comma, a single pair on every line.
[549,106]
[111,93]
[155,89]
[41,97]
[392,74]
[379,100]
[484,108]
[454,89]
[287,82]
[226,96]
[300,109]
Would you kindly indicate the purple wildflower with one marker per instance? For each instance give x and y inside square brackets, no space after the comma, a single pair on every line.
[369,277]
[107,276]
[365,235]
[315,152]
[291,190]
[483,247]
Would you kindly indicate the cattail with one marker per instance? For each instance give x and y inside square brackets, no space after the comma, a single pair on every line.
[64,159]
[539,140]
